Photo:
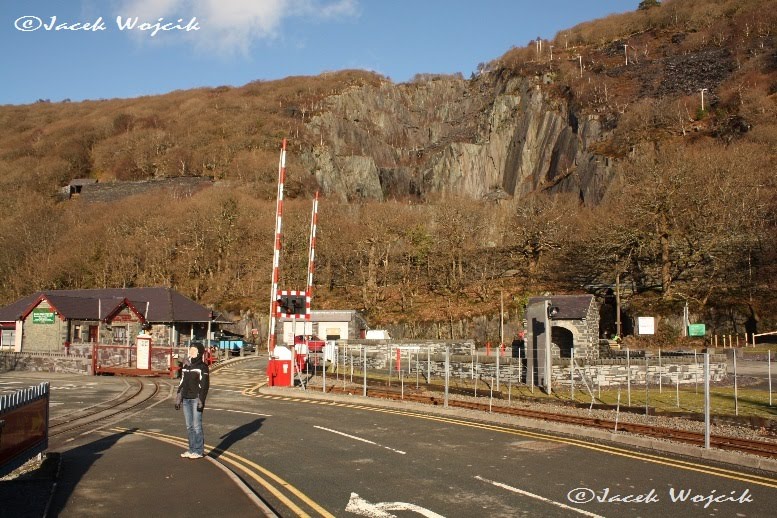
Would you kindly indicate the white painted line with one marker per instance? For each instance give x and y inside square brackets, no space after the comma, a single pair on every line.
[239,412]
[360,506]
[229,390]
[538,497]
[360,439]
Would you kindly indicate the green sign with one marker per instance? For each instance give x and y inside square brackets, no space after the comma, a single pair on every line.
[42,316]
[696,330]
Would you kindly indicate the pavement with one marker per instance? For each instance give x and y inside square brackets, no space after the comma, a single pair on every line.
[85,481]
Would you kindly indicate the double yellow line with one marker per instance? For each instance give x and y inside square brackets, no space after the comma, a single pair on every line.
[611,450]
[259,474]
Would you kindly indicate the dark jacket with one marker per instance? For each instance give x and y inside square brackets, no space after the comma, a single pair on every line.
[195,380]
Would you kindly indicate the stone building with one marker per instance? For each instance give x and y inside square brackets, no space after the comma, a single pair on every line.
[576,325]
[342,324]
[52,321]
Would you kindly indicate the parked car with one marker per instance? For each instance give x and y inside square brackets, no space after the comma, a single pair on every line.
[315,344]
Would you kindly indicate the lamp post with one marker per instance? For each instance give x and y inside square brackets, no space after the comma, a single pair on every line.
[550,312]
[702,98]
[626,52]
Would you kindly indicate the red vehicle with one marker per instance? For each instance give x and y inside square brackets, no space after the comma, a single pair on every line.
[315,344]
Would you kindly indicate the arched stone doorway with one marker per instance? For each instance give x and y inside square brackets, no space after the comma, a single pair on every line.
[564,340]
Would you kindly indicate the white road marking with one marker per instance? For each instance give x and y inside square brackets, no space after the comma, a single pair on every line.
[239,412]
[360,439]
[229,390]
[538,497]
[360,506]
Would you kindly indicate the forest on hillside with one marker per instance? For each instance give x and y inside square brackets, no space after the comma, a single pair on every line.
[690,216]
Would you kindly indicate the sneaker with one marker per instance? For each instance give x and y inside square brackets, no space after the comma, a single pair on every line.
[186,455]
[195,456]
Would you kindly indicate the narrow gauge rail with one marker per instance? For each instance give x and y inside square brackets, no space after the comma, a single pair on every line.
[760,448]
[135,396]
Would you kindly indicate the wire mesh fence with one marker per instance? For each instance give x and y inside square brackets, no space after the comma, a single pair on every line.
[657,382]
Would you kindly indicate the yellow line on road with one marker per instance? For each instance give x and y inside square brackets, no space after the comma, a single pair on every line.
[242,463]
[655,459]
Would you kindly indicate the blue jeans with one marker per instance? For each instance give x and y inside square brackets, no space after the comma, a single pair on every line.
[194,426]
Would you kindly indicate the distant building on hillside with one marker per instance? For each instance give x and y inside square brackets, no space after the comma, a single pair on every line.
[51,321]
[75,186]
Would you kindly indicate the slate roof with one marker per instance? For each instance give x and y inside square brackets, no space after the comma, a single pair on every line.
[163,304]
[570,307]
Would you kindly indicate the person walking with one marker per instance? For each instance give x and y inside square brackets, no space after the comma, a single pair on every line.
[192,391]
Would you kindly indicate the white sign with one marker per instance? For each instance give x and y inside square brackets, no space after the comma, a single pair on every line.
[144,352]
[646,325]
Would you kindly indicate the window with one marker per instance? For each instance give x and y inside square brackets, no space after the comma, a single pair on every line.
[76,334]
[119,334]
[7,337]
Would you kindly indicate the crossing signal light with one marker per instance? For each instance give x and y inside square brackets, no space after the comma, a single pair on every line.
[292,304]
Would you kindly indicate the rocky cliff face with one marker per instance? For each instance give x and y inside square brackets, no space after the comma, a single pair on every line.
[494,137]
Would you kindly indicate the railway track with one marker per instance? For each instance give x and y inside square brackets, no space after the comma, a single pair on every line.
[137,395]
[760,448]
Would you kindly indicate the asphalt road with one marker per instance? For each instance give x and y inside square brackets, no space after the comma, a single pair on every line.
[354,459]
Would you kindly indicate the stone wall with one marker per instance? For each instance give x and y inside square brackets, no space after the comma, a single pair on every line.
[620,372]
[44,362]
[465,363]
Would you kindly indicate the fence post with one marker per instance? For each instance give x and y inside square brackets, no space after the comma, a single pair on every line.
[660,373]
[628,375]
[429,364]
[707,400]
[447,373]
[647,391]
[769,369]
[736,398]
[572,371]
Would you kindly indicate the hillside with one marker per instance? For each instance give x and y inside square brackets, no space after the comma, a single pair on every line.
[556,166]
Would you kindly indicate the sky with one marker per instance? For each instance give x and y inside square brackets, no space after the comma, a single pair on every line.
[104,49]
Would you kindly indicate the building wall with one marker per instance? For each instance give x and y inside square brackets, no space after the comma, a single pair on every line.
[44,337]
[585,334]
[334,328]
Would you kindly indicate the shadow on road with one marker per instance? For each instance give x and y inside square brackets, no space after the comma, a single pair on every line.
[75,464]
[236,435]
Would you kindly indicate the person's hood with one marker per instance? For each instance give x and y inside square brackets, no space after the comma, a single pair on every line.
[200,350]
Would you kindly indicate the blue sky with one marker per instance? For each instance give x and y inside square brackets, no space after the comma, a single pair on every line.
[238,41]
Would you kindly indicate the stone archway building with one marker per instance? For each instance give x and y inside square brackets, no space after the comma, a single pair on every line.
[576,325]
